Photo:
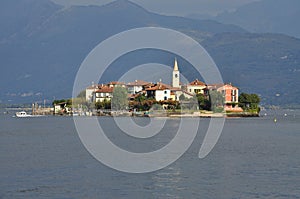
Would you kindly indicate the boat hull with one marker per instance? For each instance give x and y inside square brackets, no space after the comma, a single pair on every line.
[22,114]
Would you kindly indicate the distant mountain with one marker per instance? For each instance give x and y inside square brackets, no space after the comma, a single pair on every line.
[266,16]
[268,64]
[18,16]
[43,48]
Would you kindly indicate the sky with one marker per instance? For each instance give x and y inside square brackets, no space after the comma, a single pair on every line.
[173,7]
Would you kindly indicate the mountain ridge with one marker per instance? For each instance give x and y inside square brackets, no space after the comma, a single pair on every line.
[271,16]
[43,64]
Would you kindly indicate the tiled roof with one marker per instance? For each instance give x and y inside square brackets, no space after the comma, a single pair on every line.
[216,86]
[197,83]
[175,89]
[149,85]
[105,89]
[138,83]
[165,85]
[116,83]
[158,86]
[94,87]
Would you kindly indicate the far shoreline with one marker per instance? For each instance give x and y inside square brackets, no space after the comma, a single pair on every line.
[178,115]
[109,113]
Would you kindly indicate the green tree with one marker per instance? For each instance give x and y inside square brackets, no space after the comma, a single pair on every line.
[140,98]
[203,102]
[105,104]
[81,94]
[99,105]
[67,101]
[58,101]
[216,101]
[182,97]
[119,99]
[190,104]
[249,102]
[81,102]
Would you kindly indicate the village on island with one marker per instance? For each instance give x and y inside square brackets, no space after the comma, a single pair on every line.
[141,98]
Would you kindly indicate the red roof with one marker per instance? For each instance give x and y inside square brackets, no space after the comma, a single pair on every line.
[216,86]
[158,86]
[94,86]
[165,85]
[116,83]
[175,89]
[105,89]
[197,83]
[138,83]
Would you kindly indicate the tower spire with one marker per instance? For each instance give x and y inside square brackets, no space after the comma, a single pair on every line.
[176,76]
[175,65]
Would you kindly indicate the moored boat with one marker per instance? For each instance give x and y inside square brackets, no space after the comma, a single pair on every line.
[22,114]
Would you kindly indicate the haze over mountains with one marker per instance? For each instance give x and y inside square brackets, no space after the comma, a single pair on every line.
[43,44]
[264,16]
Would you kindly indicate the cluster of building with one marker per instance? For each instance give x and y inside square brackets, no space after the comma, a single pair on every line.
[161,92]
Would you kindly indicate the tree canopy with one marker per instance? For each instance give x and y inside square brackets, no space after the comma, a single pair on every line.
[119,99]
[249,102]
[216,100]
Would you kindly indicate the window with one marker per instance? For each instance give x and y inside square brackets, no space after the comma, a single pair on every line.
[233,98]
[197,91]
[234,92]
[166,92]
[165,98]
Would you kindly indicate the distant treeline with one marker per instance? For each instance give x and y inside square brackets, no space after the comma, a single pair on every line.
[15,105]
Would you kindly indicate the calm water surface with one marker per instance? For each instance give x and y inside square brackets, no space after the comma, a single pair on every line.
[254,158]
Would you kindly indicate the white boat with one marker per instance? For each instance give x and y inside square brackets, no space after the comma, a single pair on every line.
[22,114]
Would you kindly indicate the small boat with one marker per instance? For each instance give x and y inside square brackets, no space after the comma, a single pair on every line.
[22,114]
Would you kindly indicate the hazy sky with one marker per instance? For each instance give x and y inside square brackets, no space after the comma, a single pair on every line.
[174,7]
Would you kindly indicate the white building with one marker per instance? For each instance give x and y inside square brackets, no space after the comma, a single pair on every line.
[159,92]
[116,84]
[136,86]
[104,92]
[89,92]
[196,87]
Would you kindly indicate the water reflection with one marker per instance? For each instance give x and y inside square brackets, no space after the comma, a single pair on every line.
[167,183]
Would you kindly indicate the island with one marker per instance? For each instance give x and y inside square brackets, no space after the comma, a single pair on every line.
[142,98]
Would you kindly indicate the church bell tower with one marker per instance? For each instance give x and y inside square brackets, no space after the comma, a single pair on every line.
[176,75]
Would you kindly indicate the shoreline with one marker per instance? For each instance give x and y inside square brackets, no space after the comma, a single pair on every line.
[155,114]
[180,115]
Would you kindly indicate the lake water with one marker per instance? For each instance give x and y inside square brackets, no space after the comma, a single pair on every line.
[254,158]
